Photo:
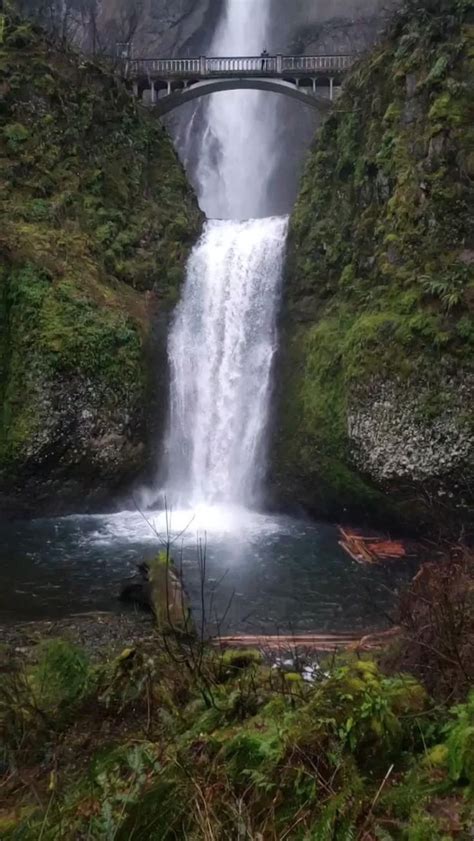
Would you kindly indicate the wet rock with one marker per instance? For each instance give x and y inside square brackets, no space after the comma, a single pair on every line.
[137,590]
[411,82]
[467,256]
[99,634]
[437,145]
[394,437]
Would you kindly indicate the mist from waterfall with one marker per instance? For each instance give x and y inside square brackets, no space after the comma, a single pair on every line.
[223,339]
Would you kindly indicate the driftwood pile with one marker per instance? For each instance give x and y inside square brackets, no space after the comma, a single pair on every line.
[370,550]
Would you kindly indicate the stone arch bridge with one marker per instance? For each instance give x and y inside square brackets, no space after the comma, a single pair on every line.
[169,83]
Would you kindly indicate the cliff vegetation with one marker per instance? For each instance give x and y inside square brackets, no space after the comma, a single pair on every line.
[96,222]
[377,378]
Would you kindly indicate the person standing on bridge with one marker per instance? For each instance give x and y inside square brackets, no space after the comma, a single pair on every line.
[264,57]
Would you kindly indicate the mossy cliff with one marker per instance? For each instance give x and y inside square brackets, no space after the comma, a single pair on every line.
[96,223]
[377,376]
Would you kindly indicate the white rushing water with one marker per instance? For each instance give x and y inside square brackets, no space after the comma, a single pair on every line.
[221,350]
[223,340]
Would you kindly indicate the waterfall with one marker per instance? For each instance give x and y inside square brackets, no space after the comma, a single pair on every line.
[223,338]
[237,145]
[221,350]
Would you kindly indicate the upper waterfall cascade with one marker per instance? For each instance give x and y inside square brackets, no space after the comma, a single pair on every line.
[236,154]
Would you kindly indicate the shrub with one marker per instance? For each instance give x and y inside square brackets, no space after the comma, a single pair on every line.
[460,743]
[61,675]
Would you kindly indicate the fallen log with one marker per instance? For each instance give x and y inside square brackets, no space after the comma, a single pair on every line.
[313,642]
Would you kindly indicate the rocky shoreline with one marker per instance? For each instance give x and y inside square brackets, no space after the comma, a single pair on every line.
[99,634]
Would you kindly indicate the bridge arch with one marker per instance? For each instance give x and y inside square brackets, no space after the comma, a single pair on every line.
[198,89]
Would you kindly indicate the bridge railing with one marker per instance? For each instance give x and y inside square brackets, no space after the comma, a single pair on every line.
[169,68]
[316,62]
[163,67]
[251,65]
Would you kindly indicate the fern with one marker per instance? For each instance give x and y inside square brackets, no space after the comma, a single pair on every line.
[347,831]
[382,834]
[449,288]
[324,830]
[460,743]
[333,823]
[62,673]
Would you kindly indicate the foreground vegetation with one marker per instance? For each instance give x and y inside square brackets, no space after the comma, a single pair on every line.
[174,740]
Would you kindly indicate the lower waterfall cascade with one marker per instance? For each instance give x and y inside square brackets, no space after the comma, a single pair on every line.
[221,349]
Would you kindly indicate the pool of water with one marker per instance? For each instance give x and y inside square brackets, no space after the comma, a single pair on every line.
[260,572]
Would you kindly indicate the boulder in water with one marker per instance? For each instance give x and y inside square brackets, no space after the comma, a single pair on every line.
[136,590]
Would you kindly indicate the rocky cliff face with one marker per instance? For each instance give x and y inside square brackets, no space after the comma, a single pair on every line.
[327,26]
[377,375]
[154,27]
[185,27]
[157,27]
[96,223]
[313,27]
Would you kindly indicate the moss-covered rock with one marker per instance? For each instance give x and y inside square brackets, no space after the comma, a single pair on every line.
[377,374]
[169,599]
[96,222]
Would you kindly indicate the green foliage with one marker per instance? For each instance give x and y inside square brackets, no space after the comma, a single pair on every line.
[120,781]
[253,756]
[32,702]
[95,211]
[460,743]
[425,828]
[161,814]
[376,288]
[15,134]
[449,288]
[161,766]
[61,675]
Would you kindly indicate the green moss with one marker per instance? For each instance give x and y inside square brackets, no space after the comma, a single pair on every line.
[437,756]
[446,109]
[232,662]
[375,289]
[96,213]
[15,134]
[293,679]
